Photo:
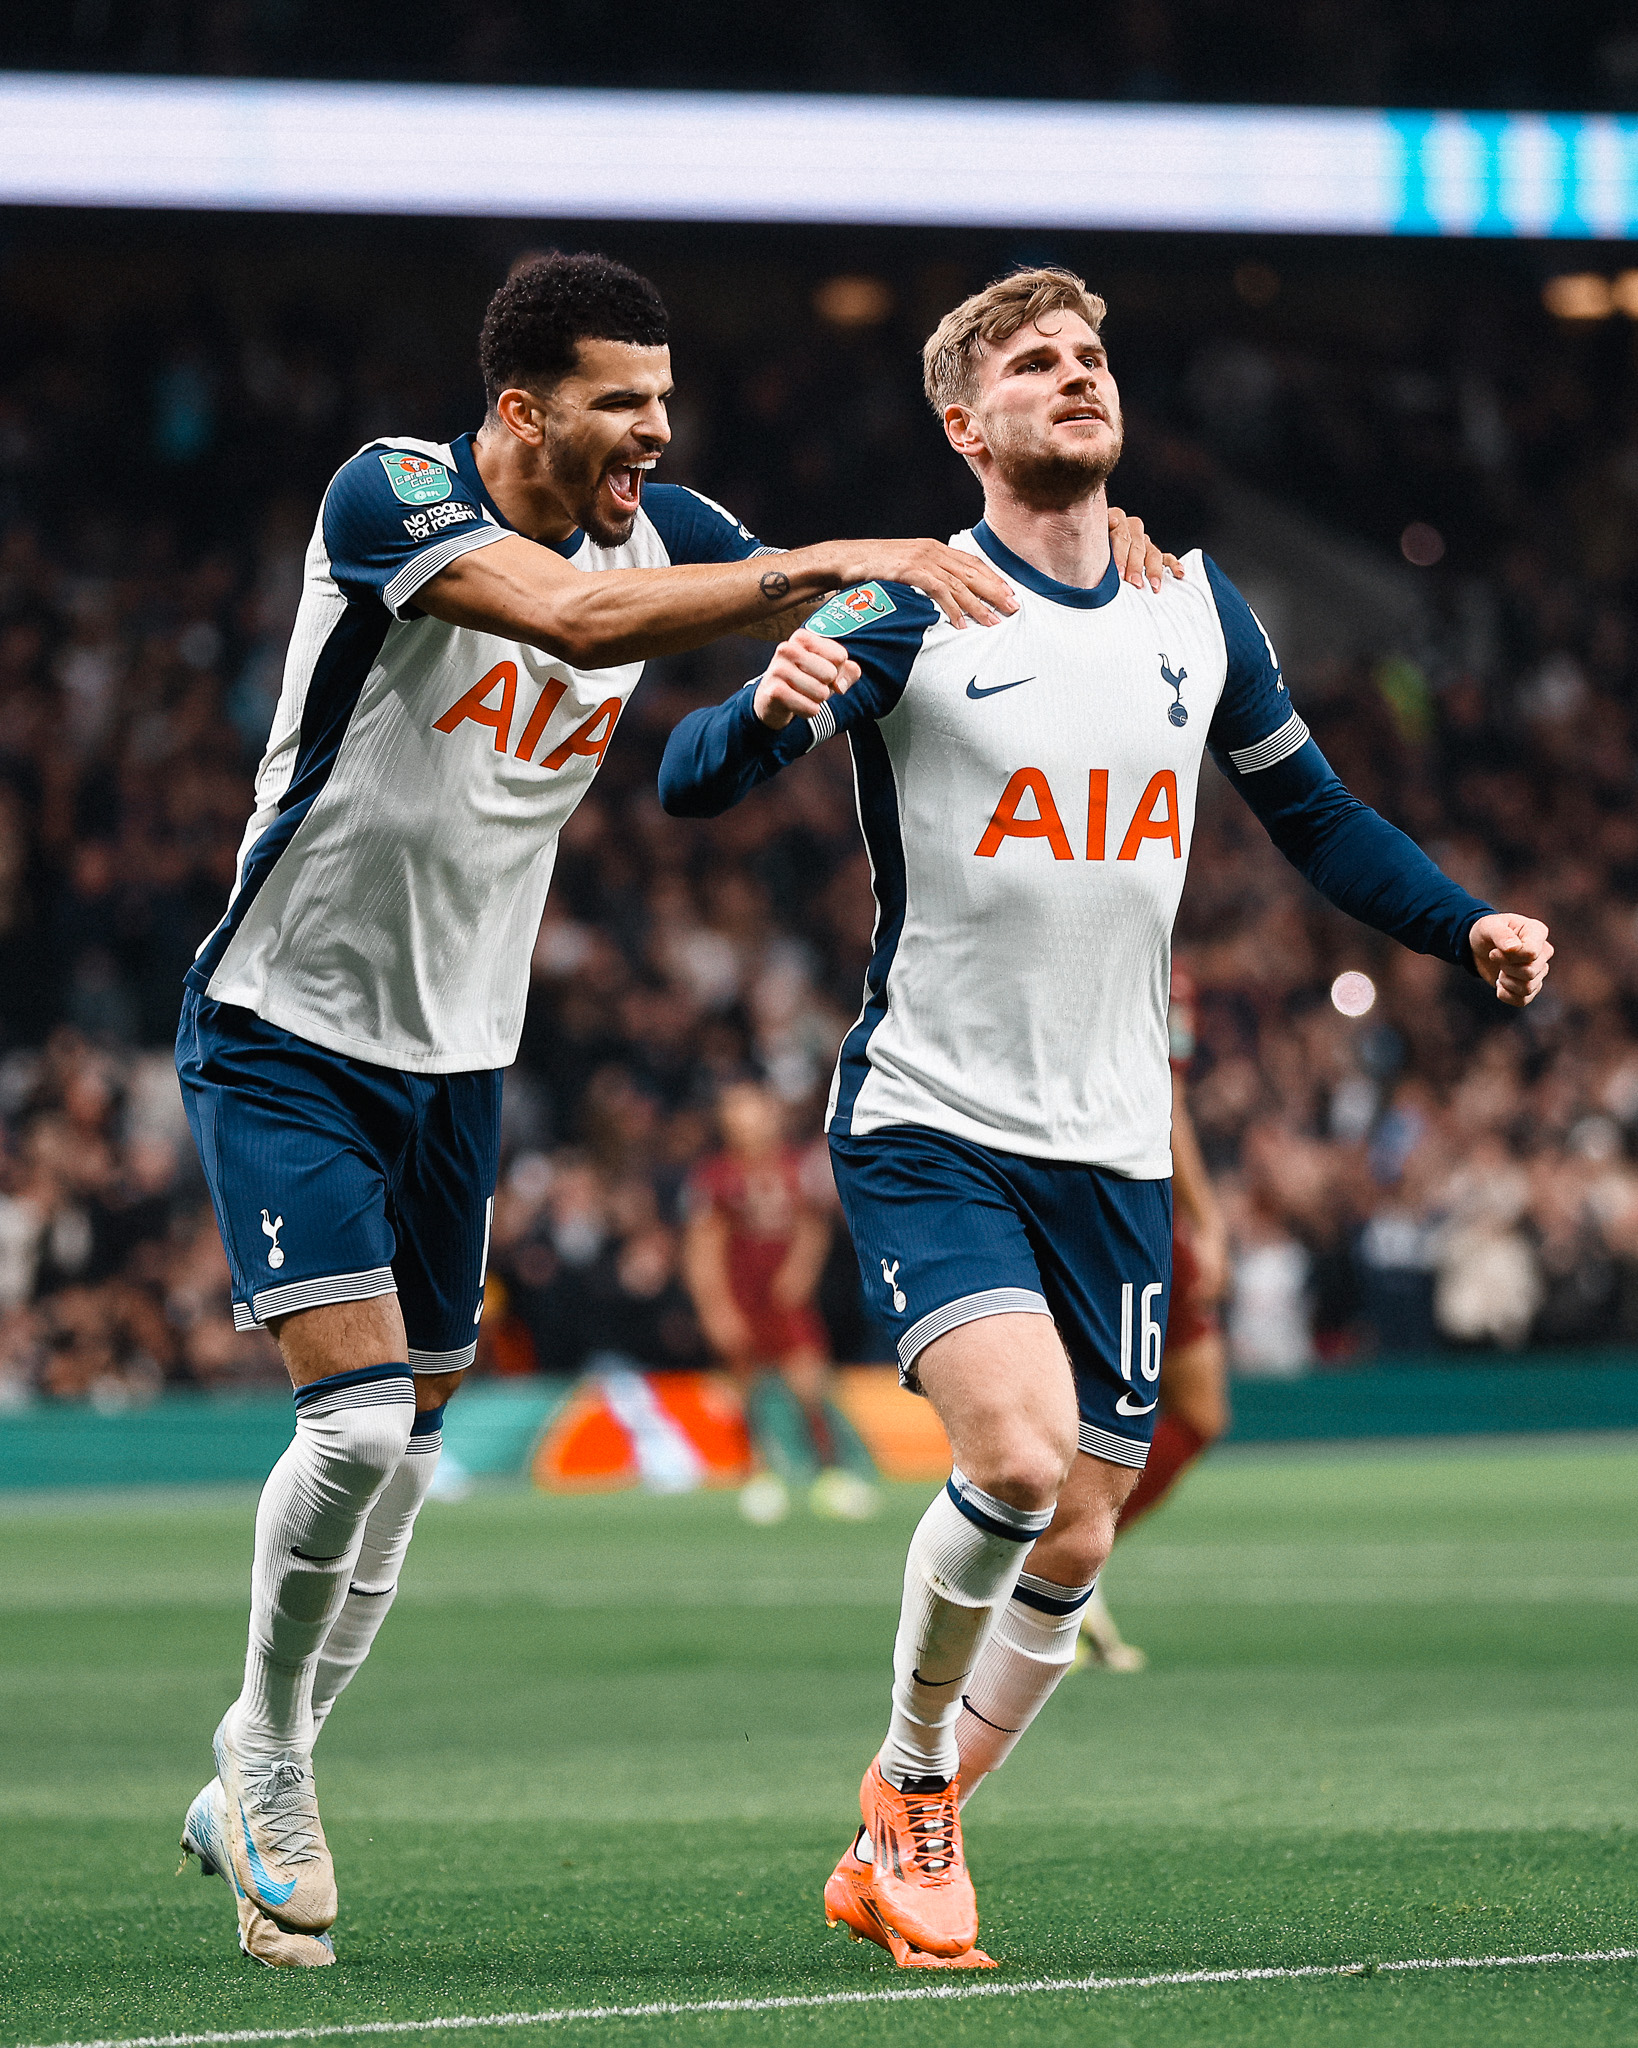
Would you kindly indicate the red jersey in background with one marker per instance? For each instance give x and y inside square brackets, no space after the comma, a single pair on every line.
[762,1203]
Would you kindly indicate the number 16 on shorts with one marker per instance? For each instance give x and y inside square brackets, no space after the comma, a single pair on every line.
[1150,1337]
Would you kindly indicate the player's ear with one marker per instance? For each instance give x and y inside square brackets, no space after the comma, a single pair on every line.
[519,412]
[961,430]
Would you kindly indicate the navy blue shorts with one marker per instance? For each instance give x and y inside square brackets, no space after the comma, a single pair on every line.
[948,1231]
[335,1180]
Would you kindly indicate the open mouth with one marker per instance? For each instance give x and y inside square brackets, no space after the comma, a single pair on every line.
[625,483]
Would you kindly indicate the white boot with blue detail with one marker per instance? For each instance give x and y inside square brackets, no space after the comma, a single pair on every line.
[204,1834]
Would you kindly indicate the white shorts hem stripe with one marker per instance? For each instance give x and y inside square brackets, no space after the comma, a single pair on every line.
[426,565]
[1269,753]
[971,1308]
[442,1361]
[1118,1450]
[284,1301]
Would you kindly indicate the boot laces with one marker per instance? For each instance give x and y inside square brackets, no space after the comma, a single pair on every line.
[285,1801]
[932,1823]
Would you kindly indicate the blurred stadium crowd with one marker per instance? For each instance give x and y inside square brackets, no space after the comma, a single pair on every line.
[1433,1173]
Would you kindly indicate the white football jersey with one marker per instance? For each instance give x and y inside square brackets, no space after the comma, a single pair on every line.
[391,879]
[1027,792]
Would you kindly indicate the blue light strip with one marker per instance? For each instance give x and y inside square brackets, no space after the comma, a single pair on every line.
[1572,176]
[541,154]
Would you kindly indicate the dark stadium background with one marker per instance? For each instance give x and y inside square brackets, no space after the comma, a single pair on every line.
[176,389]
[607,1747]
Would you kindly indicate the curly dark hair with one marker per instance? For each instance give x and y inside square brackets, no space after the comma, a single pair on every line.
[537,319]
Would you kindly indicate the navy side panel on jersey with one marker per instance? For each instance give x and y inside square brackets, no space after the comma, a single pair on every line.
[879,820]
[1350,854]
[720,754]
[338,676]
[695,528]
[394,517]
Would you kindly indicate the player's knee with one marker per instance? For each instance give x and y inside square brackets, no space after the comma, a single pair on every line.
[1077,1546]
[1027,1469]
[1080,1555]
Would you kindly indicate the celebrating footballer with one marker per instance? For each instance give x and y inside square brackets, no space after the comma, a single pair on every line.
[999,1120]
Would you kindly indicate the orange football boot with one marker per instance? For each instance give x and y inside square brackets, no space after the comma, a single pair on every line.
[849,1904]
[918,1878]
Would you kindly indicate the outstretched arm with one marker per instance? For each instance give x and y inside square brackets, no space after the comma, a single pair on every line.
[1355,858]
[521,591]
[1369,868]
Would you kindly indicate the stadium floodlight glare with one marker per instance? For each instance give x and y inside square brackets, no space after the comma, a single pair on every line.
[1353,993]
[556,155]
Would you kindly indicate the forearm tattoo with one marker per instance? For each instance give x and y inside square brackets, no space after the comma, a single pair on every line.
[776,586]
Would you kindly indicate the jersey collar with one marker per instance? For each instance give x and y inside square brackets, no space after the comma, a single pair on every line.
[1106,587]
[466,464]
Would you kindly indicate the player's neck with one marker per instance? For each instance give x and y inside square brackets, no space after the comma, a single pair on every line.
[522,500]
[1069,543]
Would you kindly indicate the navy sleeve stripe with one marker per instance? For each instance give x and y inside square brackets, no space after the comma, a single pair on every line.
[1278,747]
[821,725]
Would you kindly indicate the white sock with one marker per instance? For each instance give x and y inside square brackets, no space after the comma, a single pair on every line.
[1030,1648]
[964,1558]
[351,1430]
[374,1583]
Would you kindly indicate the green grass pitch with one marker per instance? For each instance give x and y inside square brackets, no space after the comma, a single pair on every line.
[607,1752]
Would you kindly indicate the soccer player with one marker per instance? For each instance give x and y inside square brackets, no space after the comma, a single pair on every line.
[1193,1411]
[999,1119]
[453,680]
[752,1256]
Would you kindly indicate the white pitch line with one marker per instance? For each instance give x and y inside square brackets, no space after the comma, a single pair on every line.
[567,2015]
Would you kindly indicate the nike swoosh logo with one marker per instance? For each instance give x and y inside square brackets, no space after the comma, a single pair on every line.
[1126,1406]
[995,689]
[270,1894]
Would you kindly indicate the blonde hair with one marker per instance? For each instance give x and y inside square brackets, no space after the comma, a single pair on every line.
[949,359]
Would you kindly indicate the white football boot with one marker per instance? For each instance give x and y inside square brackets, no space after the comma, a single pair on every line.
[274,1838]
[204,1834]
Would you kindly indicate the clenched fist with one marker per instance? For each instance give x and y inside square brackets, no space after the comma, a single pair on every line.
[1512,954]
[805,670]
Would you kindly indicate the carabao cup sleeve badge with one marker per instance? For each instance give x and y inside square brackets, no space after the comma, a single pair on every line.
[416,478]
[848,610]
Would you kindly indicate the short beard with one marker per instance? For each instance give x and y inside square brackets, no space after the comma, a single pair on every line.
[601,532]
[607,533]
[1049,479]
